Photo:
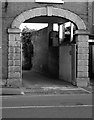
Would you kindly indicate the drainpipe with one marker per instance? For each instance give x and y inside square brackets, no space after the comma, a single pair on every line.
[6,5]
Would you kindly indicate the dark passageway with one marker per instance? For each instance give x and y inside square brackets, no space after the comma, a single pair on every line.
[46,67]
[35,79]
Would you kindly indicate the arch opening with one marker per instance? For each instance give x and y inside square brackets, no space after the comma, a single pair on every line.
[48,44]
[52,15]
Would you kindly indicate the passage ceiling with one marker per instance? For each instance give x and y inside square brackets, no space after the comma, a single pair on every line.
[47,19]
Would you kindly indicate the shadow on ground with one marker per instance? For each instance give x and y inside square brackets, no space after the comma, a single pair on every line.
[31,78]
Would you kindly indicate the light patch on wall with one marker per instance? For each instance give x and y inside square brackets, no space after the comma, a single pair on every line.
[67,24]
[55,27]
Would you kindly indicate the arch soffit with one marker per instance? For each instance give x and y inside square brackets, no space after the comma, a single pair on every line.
[48,11]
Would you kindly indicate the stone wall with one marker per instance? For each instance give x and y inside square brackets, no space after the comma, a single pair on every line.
[82,58]
[40,58]
[46,59]
[14,58]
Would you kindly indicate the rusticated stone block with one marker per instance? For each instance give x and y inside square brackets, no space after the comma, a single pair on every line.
[14,56]
[18,37]
[11,49]
[14,82]
[82,62]
[83,44]
[11,43]
[56,12]
[16,24]
[17,49]
[82,74]
[83,50]
[82,38]
[10,62]
[17,62]
[12,37]
[37,12]
[17,43]
[20,18]
[26,14]
[10,56]
[82,68]
[43,11]
[83,56]
[83,82]
[14,68]
[32,13]
[17,69]
[14,43]
[15,75]
[17,56]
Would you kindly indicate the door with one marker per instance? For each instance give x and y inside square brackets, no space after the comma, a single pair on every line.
[67,63]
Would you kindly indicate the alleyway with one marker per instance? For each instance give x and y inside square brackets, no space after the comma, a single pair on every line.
[36,83]
[31,79]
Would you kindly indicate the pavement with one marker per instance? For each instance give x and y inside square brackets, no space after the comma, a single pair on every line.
[40,84]
[45,90]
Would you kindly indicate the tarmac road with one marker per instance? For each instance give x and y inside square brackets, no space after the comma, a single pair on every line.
[47,106]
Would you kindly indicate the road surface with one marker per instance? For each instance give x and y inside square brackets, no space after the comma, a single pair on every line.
[47,106]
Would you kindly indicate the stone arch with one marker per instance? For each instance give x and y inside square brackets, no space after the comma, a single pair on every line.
[14,55]
[48,11]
